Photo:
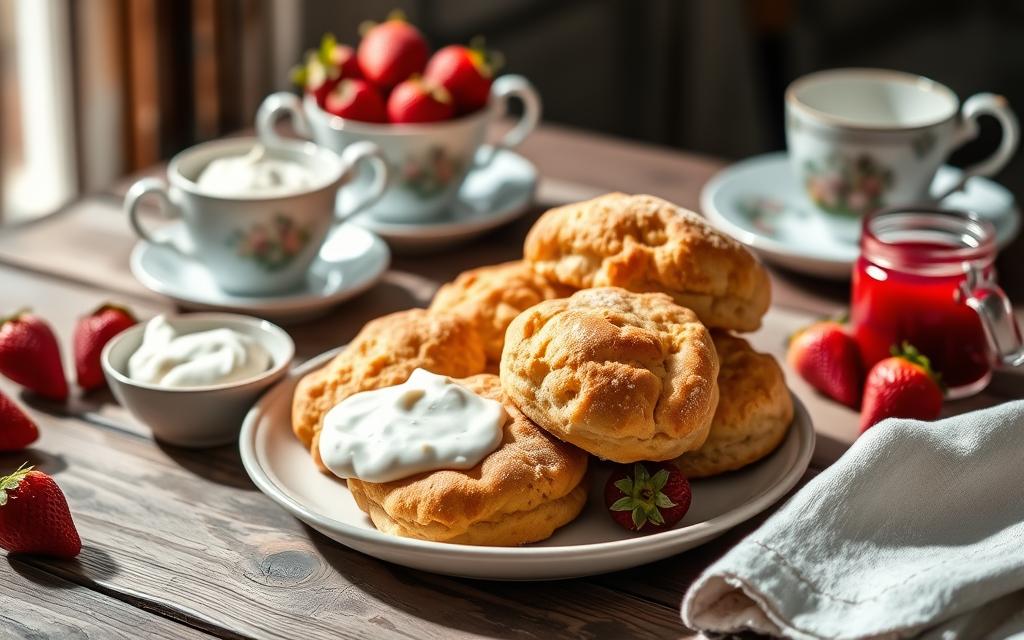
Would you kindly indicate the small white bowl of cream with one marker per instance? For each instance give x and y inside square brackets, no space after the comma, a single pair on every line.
[191,378]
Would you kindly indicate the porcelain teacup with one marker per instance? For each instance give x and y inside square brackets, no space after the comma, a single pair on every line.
[428,162]
[255,244]
[863,139]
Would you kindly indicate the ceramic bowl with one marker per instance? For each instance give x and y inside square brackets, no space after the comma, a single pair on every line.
[196,417]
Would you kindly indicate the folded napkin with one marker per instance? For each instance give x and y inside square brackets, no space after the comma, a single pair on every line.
[917,529]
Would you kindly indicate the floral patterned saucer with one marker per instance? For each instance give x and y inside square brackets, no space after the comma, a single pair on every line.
[494,193]
[351,260]
[758,202]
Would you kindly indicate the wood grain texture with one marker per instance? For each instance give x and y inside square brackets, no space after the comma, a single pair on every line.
[37,604]
[184,534]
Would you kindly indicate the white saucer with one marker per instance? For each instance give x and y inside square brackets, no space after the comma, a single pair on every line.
[351,261]
[759,203]
[492,195]
[281,467]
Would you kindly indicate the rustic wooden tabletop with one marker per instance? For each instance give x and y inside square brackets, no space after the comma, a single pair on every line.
[180,544]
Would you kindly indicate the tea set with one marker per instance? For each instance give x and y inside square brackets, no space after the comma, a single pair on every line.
[861,140]
[292,227]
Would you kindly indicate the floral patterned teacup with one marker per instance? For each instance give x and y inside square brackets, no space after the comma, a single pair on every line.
[252,244]
[863,139]
[428,162]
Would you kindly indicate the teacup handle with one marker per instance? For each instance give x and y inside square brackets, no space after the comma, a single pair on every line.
[503,89]
[271,109]
[158,188]
[350,158]
[986,104]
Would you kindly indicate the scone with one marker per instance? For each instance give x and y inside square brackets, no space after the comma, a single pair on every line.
[521,492]
[384,353]
[643,244]
[490,297]
[754,412]
[624,376]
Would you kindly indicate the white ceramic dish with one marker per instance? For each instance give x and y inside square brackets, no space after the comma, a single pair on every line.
[281,468]
[351,261]
[758,202]
[204,416]
[492,195]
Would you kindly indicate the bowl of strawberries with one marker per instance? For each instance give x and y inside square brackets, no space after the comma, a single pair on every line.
[429,113]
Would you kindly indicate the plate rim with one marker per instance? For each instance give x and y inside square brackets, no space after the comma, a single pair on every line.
[278,304]
[784,253]
[700,531]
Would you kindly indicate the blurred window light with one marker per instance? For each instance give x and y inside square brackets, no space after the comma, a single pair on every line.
[38,171]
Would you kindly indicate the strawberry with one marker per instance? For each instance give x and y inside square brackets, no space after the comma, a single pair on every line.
[29,355]
[903,386]
[325,67]
[17,430]
[356,100]
[315,78]
[34,516]
[828,359]
[391,51]
[466,72]
[92,332]
[645,502]
[416,100]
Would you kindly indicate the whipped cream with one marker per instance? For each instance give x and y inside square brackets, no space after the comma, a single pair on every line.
[254,174]
[426,423]
[168,359]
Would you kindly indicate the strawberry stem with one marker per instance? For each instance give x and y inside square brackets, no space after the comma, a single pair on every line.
[910,353]
[14,316]
[11,482]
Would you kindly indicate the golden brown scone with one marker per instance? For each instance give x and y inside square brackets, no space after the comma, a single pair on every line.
[624,376]
[521,492]
[754,411]
[383,354]
[490,297]
[643,243]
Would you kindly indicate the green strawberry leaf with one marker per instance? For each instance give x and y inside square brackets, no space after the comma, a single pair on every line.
[663,501]
[625,485]
[624,503]
[660,479]
[640,472]
[326,51]
[639,518]
[11,482]
[655,517]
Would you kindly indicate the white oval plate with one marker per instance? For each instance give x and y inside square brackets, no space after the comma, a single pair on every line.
[758,202]
[281,468]
[351,261]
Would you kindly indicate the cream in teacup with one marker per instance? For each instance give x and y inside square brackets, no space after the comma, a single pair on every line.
[255,173]
[863,139]
[257,229]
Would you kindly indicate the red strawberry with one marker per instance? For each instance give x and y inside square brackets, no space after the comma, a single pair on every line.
[903,386]
[419,101]
[641,501]
[91,334]
[17,430]
[828,359]
[356,100]
[316,78]
[29,355]
[34,516]
[465,72]
[343,58]
[391,51]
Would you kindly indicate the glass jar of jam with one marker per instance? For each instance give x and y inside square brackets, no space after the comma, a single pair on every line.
[927,276]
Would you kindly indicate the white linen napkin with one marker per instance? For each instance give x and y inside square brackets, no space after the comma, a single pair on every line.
[918,528]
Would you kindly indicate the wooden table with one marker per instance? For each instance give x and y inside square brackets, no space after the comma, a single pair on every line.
[180,544]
